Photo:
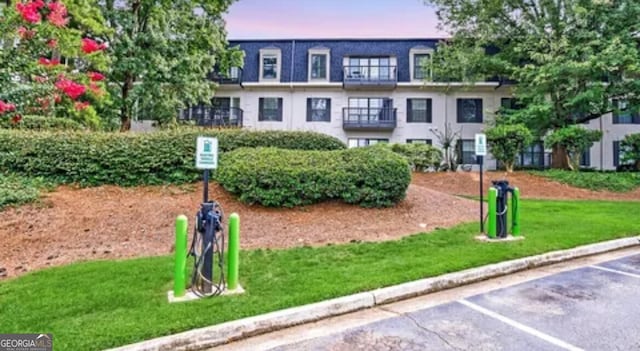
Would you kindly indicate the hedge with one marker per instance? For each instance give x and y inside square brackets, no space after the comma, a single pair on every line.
[41,123]
[421,157]
[95,158]
[370,177]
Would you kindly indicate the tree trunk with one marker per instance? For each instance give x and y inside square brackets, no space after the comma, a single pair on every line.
[125,113]
[508,167]
[559,158]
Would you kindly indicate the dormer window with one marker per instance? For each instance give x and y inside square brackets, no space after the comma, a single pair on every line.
[270,63]
[319,64]
[420,63]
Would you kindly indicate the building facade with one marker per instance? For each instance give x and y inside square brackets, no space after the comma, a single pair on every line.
[365,91]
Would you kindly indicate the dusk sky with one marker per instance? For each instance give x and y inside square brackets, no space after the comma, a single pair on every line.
[273,19]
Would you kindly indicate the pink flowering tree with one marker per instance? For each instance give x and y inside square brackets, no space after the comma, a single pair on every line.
[49,65]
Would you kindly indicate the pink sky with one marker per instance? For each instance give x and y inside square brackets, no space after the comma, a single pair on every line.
[273,19]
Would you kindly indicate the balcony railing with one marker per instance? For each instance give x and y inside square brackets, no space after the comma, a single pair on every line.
[211,116]
[370,76]
[355,118]
[233,76]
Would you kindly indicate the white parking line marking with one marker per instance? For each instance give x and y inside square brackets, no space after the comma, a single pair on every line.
[615,271]
[520,326]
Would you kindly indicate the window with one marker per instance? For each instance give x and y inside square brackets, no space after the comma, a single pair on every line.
[420,141]
[420,63]
[270,109]
[318,110]
[533,156]
[421,66]
[360,142]
[618,154]
[370,109]
[375,68]
[624,115]
[585,158]
[469,110]
[318,66]
[270,67]
[418,110]
[466,151]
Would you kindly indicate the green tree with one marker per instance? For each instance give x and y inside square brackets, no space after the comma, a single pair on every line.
[630,150]
[575,139]
[570,58]
[162,52]
[507,141]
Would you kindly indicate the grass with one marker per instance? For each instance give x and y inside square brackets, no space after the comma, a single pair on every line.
[611,181]
[102,304]
[18,190]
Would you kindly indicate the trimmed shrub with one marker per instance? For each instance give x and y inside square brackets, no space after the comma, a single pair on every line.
[41,123]
[95,158]
[370,177]
[421,157]
[16,190]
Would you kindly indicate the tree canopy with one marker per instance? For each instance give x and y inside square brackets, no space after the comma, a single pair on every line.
[162,52]
[570,59]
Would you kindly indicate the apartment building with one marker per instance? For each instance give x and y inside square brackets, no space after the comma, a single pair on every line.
[365,91]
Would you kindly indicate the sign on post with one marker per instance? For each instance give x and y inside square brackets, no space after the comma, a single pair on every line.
[481,145]
[207,153]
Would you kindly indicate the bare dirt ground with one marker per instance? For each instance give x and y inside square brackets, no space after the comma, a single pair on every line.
[109,222]
[533,187]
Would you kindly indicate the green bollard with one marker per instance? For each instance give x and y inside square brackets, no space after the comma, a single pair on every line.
[493,197]
[234,251]
[515,212]
[180,269]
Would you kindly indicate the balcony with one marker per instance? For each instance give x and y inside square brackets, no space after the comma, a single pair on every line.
[211,116]
[233,76]
[380,119]
[370,77]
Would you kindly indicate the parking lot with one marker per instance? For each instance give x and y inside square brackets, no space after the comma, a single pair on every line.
[594,306]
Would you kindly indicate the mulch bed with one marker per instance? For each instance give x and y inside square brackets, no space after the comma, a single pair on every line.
[72,224]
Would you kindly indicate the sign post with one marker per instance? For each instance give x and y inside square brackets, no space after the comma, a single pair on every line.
[481,152]
[206,159]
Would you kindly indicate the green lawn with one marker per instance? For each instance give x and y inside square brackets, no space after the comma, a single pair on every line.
[97,305]
[612,181]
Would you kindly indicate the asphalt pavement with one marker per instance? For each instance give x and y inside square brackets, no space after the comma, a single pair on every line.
[588,304]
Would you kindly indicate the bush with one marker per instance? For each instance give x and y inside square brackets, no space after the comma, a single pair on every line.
[421,157]
[594,180]
[41,123]
[507,142]
[630,149]
[370,177]
[16,190]
[94,158]
[575,140]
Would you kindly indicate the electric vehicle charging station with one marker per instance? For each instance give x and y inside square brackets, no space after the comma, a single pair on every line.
[499,210]
[207,246]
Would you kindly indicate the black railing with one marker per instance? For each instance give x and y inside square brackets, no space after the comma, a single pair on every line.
[370,74]
[233,76]
[211,116]
[369,118]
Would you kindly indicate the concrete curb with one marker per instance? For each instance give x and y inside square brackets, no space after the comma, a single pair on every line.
[203,338]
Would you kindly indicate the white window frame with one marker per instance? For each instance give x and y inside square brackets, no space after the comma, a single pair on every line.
[412,60]
[264,53]
[326,52]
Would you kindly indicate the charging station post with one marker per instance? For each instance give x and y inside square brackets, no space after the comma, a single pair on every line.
[209,218]
[481,152]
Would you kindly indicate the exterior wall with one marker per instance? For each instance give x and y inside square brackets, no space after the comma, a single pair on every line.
[444,109]
[294,88]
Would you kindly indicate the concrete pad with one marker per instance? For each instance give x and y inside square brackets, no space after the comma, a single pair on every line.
[485,239]
[589,308]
